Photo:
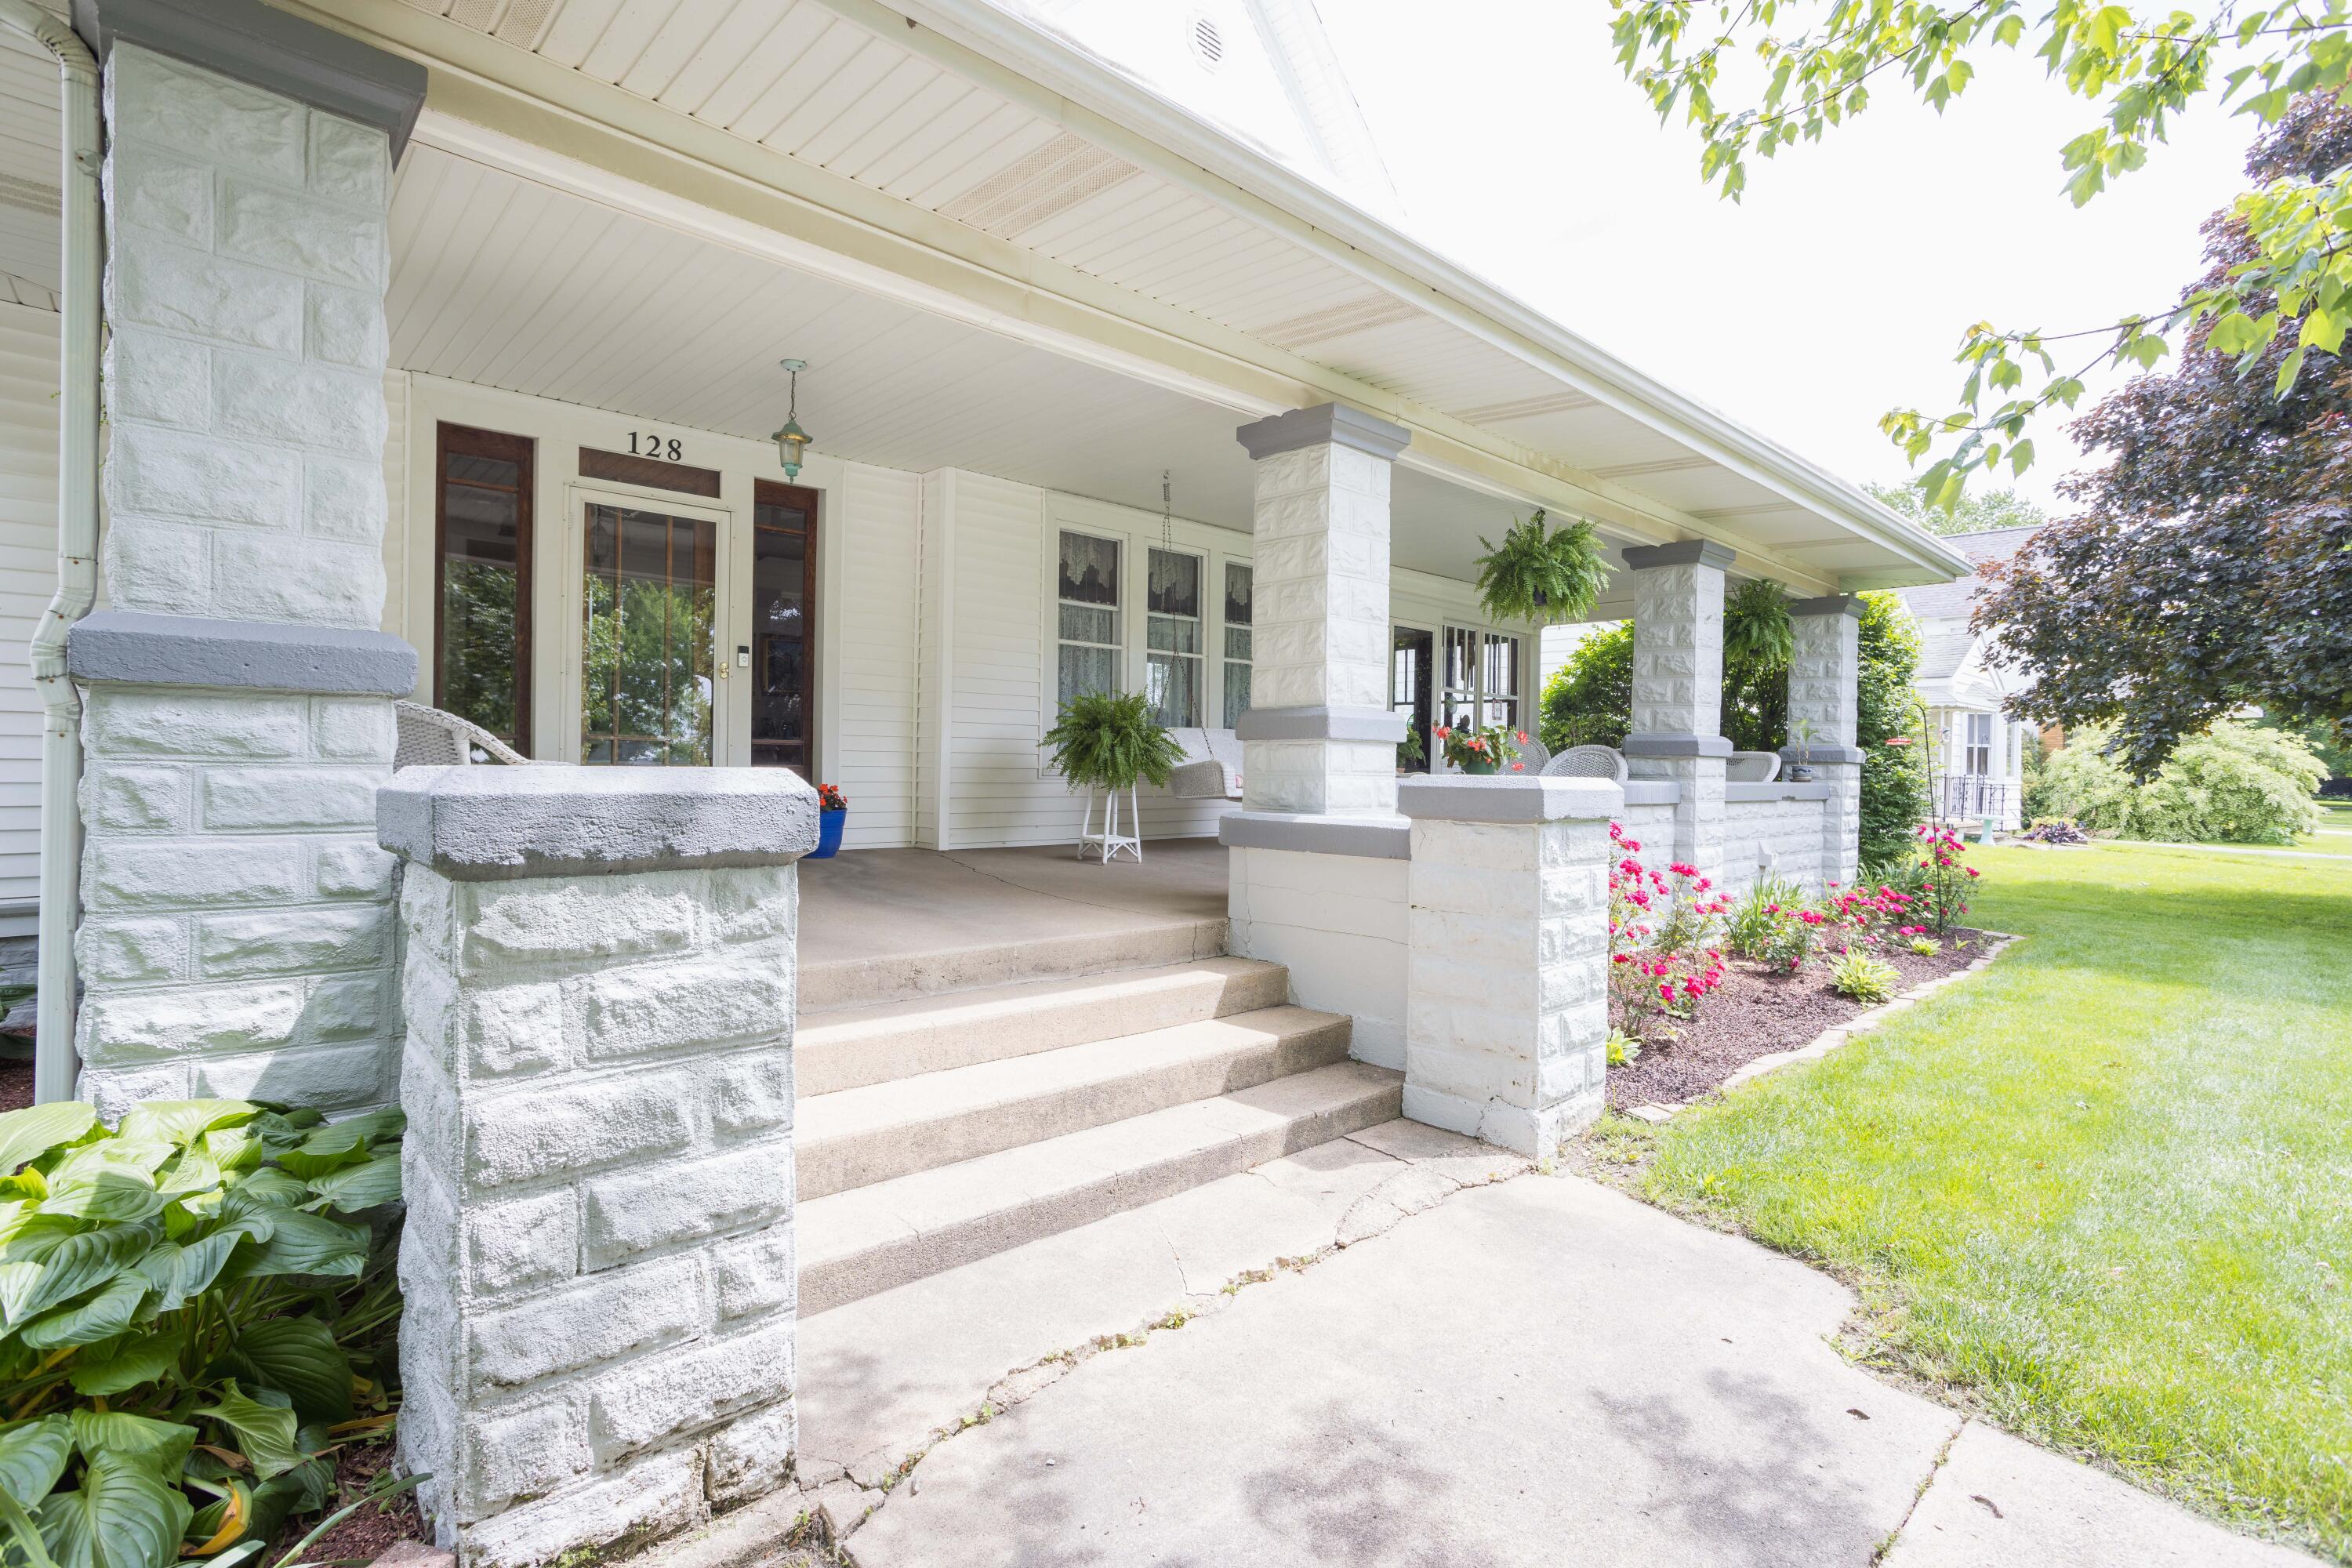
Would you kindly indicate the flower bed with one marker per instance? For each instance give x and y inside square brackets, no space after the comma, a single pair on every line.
[1701,984]
[1754,1012]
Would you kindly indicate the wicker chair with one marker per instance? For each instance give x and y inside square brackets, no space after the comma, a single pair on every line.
[428,738]
[1587,762]
[1752,767]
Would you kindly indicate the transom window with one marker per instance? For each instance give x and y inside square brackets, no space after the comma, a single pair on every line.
[1087,630]
[1172,659]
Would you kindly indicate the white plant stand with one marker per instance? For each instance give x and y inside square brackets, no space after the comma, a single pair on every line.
[1110,843]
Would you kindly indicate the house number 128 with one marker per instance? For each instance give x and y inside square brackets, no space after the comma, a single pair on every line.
[654,447]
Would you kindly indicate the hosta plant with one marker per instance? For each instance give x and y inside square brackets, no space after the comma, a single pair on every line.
[190,1308]
[1863,978]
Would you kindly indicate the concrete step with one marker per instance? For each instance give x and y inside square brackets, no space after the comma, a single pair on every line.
[856,1137]
[1125,941]
[856,1243]
[849,1048]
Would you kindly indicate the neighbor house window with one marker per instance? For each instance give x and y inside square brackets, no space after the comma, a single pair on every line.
[1088,629]
[481,602]
[1979,749]
[1173,655]
[1239,581]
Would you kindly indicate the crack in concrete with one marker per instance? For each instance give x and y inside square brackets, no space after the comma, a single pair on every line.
[1934,1467]
[848,1489]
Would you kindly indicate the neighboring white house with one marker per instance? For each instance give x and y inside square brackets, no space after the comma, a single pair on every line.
[1979,758]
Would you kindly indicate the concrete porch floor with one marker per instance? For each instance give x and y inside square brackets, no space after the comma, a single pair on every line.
[877,925]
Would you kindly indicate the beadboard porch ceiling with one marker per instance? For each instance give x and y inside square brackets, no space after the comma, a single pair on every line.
[1006,163]
[500,281]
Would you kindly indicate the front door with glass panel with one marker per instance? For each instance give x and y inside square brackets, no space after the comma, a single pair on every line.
[648,606]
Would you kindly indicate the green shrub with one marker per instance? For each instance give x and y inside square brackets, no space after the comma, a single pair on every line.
[193,1307]
[1622,1048]
[2235,784]
[1865,979]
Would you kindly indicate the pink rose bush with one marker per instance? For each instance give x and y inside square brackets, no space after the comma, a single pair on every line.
[1664,927]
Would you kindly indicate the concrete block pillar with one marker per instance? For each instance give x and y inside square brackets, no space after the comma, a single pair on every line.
[1824,678]
[598,1265]
[1678,687]
[1319,739]
[238,932]
[1506,1008]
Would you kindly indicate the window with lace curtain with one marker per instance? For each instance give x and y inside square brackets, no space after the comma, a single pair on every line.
[1239,582]
[1090,645]
[1173,651]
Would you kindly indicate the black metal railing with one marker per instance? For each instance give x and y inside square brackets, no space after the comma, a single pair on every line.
[1974,794]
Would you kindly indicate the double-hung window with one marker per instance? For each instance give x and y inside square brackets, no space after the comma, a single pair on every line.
[1240,583]
[1089,646]
[1174,656]
[1978,760]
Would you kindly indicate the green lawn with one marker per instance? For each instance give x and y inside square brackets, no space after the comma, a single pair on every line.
[2104,1189]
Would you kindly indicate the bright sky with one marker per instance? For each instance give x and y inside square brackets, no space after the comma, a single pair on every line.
[1841,285]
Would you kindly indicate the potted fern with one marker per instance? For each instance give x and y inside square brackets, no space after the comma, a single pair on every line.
[1104,743]
[1542,573]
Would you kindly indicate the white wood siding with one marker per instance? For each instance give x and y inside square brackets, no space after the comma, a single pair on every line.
[1000,792]
[873,530]
[29,575]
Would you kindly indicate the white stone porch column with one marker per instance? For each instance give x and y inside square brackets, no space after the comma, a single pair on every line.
[1678,687]
[597,1270]
[236,936]
[1318,738]
[1316,854]
[1824,689]
[1506,1021]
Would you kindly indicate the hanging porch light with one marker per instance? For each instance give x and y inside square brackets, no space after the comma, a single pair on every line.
[792,441]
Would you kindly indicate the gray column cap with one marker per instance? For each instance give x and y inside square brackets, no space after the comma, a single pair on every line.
[1664,743]
[1325,425]
[134,648]
[486,823]
[1516,798]
[1828,604]
[1680,552]
[1366,837]
[268,48]
[1320,723]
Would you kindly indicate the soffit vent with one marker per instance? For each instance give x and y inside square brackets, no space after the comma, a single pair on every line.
[1208,44]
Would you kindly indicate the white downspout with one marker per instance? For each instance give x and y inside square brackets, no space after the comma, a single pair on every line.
[53,1063]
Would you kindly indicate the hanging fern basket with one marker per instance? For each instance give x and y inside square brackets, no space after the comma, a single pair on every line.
[1542,573]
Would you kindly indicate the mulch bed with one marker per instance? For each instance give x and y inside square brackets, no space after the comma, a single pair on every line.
[15,1084]
[1754,1013]
[368,1534]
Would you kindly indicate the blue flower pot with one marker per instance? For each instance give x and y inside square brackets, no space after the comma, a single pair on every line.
[828,834]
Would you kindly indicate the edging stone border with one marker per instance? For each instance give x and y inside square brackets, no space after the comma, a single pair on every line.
[1836,1035]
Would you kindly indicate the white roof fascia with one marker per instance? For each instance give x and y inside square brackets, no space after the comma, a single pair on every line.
[1178,146]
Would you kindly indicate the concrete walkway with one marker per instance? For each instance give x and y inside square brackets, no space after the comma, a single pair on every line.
[1540,1373]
